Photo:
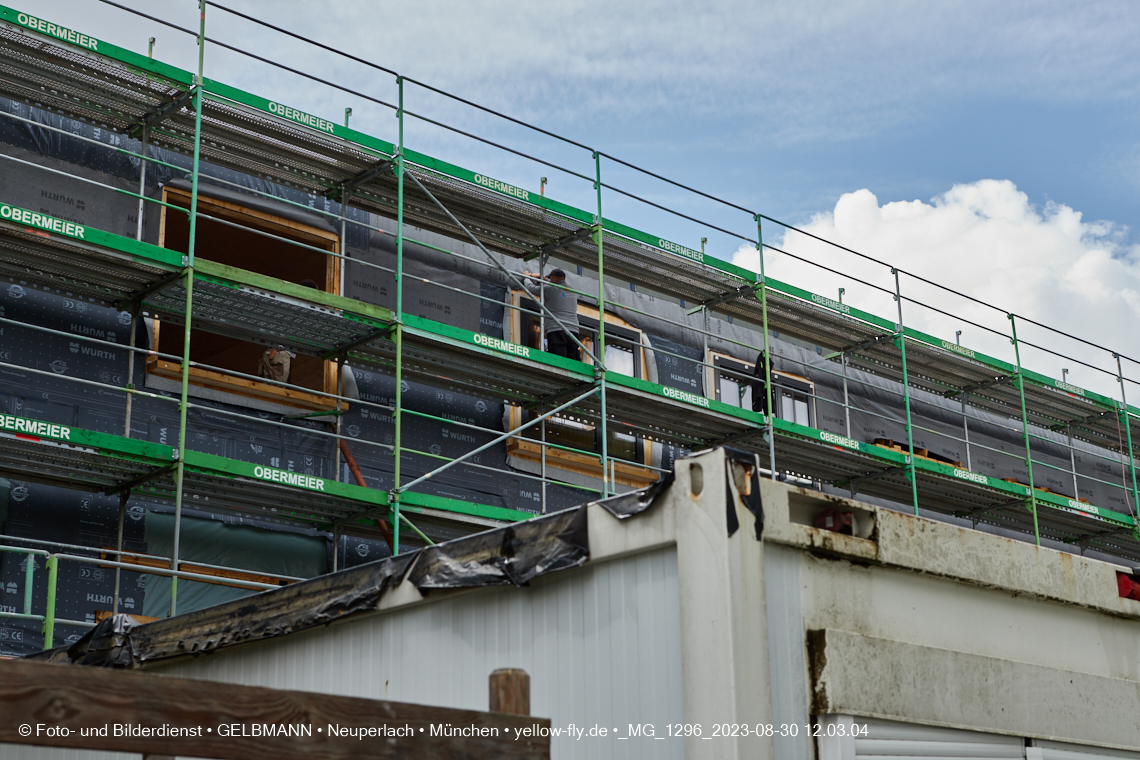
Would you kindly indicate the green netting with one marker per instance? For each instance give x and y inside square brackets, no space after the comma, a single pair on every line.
[215,543]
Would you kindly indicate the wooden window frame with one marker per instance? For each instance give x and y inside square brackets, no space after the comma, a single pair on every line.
[266,222]
[626,473]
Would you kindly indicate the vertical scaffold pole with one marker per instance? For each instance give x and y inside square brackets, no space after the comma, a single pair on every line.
[342,265]
[49,608]
[1128,434]
[600,346]
[188,273]
[130,370]
[395,495]
[1025,430]
[124,496]
[846,396]
[29,581]
[1073,464]
[542,347]
[966,431]
[900,341]
[134,309]
[767,351]
[708,371]
[142,181]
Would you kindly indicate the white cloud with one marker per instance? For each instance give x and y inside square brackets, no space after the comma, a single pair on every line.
[987,241]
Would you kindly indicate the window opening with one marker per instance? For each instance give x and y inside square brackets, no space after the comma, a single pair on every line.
[796,400]
[624,355]
[794,396]
[731,388]
[622,352]
[249,251]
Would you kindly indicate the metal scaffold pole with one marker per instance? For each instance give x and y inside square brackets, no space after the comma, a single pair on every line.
[499,439]
[123,497]
[900,341]
[1128,436]
[767,351]
[49,606]
[135,308]
[188,273]
[1025,430]
[341,266]
[138,236]
[846,397]
[541,344]
[130,369]
[398,414]
[142,182]
[600,347]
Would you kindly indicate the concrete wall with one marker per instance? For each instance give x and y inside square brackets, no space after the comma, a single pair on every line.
[928,623]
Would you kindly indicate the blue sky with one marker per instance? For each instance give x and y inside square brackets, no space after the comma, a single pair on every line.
[784,108]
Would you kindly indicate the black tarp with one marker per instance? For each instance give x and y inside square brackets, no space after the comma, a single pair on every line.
[511,555]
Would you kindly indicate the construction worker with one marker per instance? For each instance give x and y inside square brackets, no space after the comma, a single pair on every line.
[563,304]
[277,363]
[760,385]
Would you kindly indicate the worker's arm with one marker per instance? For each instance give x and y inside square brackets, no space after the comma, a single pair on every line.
[532,282]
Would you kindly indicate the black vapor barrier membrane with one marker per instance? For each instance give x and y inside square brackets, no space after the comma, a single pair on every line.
[83,203]
[89,523]
[256,202]
[511,555]
[472,299]
[48,513]
[674,371]
[483,478]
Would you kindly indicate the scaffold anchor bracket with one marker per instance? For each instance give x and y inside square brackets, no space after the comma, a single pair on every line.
[853,483]
[363,178]
[135,300]
[865,344]
[159,114]
[543,250]
[344,348]
[742,291]
[130,485]
[557,398]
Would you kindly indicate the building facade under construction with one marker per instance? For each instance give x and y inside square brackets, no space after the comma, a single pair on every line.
[243,345]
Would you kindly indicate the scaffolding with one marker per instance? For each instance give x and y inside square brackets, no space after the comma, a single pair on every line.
[60,70]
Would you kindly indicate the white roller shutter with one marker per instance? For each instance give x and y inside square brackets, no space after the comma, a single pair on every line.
[1043,750]
[896,741]
[842,737]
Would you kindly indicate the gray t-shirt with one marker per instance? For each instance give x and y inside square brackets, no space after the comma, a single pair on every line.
[561,303]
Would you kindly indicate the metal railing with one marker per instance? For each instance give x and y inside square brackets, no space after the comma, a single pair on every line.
[48,618]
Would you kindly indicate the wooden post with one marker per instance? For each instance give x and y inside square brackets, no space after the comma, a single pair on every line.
[510,691]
